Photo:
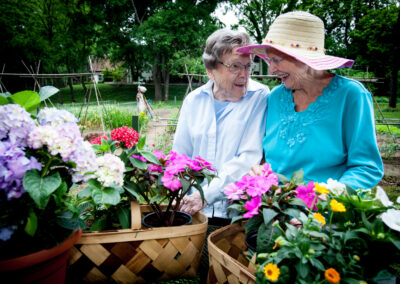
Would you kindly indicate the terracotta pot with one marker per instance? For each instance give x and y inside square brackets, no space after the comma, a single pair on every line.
[45,266]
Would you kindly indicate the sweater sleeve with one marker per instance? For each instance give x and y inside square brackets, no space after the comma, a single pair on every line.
[364,163]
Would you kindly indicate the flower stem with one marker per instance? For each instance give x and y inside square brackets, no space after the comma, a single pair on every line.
[46,168]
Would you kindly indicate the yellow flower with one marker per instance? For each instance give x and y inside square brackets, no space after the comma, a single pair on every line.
[276,245]
[272,271]
[320,218]
[321,189]
[332,276]
[337,206]
[356,257]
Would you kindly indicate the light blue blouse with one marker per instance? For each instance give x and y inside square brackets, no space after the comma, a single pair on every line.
[334,138]
[232,142]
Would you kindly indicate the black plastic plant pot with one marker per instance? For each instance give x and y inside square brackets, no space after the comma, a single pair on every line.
[152,221]
[251,240]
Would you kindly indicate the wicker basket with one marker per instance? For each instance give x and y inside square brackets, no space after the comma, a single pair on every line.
[139,254]
[228,256]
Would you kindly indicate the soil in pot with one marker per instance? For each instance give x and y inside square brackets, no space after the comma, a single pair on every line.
[152,221]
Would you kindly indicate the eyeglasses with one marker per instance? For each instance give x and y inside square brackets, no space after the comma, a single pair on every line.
[237,67]
[274,60]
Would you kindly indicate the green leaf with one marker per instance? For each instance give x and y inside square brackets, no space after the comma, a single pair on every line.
[317,234]
[236,218]
[265,238]
[27,99]
[350,190]
[292,212]
[106,195]
[133,189]
[282,178]
[99,224]
[31,224]
[253,224]
[200,189]
[47,91]
[302,269]
[141,143]
[149,156]
[68,221]
[269,214]
[3,100]
[40,188]
[317,264]
[124,217]
[87,191]
[297,177]
[138,163]
[298,202]
[185,183]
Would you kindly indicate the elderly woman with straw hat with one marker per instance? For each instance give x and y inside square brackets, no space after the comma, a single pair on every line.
[317,121]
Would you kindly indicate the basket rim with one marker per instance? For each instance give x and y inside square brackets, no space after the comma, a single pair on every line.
[213,248]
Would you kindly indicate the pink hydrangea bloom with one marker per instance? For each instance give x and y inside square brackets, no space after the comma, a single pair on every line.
[159,155]
[307,194]
[252,207]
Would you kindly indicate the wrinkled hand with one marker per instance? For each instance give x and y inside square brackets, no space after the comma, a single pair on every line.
[192,203]
[256,170]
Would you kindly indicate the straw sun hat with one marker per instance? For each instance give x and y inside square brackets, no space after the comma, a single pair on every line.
[300,35]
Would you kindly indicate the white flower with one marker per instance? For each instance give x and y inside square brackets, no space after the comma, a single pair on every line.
[334,186]
[392,219]
[54,117]
[111,170]
[381,195]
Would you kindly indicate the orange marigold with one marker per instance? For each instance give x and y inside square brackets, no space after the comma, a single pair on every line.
[272,271]
[332,276]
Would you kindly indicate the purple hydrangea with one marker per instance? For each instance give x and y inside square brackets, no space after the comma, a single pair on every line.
[13,166]
[15,124]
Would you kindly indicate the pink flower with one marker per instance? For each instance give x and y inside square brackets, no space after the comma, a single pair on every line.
[307,194]
[155,168]
[233,192]
[159,155]
[139,158]
[195,165]
[204,163]
[171,182]
[252,207]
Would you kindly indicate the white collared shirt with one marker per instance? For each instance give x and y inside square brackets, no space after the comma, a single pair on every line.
[233,143]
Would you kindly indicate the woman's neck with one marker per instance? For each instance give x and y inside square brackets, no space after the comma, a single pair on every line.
[311,89]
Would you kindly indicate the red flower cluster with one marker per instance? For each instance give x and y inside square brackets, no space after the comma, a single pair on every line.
[97,140]
[128,136]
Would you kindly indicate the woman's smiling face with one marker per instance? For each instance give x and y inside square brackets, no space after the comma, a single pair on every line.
[292,72]
[227,85]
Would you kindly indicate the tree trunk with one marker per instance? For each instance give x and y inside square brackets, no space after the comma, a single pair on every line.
[395,64]
[156,78]
[85,90]
[71,88]
[166,85]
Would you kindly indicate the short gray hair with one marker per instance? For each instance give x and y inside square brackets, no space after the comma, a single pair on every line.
[221,42]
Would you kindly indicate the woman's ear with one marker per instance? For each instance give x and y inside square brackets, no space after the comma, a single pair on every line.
[210,74]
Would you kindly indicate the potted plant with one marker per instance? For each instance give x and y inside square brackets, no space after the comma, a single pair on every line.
[347,239]
[42,157]
[140,253]
[344,236]
[261,201]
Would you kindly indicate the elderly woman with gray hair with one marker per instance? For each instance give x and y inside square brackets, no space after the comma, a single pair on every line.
[223,121]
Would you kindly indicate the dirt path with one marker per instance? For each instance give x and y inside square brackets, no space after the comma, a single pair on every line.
[156,131]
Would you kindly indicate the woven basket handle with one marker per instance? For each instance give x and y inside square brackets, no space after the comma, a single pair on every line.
[136,217]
